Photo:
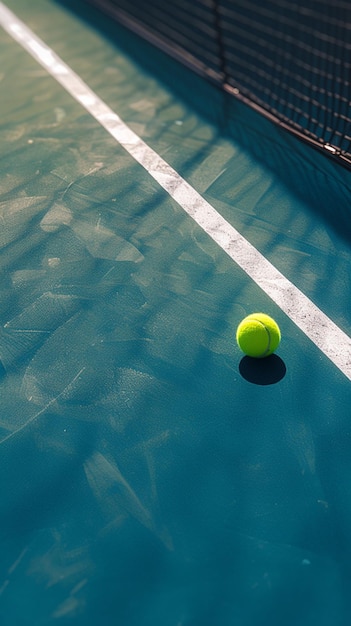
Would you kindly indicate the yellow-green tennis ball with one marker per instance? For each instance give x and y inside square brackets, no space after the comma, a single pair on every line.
[258,335]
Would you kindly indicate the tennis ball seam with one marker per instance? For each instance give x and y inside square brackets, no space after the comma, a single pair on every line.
[269,337]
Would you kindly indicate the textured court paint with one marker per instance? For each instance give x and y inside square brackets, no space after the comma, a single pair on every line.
[320,329]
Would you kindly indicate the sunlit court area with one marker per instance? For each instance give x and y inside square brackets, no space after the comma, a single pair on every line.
[166,170]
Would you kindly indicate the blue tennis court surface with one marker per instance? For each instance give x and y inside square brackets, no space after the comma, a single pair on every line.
[151,474]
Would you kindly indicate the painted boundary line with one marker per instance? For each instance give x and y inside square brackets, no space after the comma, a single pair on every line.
[320,329]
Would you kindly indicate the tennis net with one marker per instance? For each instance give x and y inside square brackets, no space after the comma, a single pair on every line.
[289,60]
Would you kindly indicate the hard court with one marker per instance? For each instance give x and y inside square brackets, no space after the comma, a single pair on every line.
[151,475]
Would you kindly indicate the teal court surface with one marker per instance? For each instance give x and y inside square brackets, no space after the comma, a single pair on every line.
[151,475]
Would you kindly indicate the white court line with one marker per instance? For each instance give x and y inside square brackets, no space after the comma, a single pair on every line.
[320,329]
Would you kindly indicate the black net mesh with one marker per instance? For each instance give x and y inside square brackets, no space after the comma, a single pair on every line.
[291,60]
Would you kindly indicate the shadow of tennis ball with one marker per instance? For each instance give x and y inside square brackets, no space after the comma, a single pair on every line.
[267,371]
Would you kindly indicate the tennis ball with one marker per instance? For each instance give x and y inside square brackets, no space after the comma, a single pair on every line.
[258,335]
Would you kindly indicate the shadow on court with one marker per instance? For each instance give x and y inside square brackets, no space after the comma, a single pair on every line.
[266,371]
